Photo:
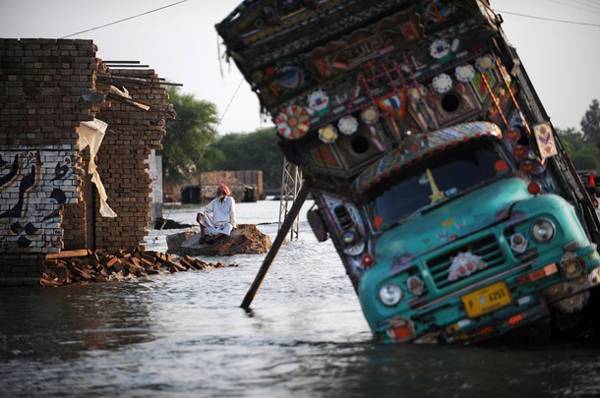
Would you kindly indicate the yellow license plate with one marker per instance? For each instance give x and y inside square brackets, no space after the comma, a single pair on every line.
[486,300]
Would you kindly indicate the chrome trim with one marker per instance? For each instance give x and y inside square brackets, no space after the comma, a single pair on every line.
[533,225]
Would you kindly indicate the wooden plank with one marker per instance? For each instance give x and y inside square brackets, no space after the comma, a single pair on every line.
[68,254]
[268,260]
[147,263]
[112,262]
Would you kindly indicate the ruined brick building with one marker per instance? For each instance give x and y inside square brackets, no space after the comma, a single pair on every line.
[57,102]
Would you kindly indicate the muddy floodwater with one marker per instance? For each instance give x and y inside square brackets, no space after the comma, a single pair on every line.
[184,335]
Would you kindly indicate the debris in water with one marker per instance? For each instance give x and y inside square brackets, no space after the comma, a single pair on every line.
[245,239]
[86,266]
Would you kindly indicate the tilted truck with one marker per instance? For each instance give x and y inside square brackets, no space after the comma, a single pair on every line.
[434,167]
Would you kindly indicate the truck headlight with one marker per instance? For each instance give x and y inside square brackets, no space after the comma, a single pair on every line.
[543,230]
[390,294]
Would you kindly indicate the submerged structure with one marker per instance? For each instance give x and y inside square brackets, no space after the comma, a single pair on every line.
[434,166]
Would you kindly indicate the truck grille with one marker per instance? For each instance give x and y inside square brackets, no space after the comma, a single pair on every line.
[487,248]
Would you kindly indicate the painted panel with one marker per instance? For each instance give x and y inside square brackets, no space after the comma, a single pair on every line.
[35,182]
[420,146]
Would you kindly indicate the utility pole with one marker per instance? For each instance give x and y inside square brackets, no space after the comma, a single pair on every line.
[291,182]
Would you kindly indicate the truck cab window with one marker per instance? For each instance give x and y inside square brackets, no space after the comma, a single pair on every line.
[436,180]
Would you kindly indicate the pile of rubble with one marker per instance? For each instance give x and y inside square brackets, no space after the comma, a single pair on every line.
[85,266]
[245,239]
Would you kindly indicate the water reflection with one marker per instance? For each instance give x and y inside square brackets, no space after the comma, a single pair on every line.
[185,335]
[40,323]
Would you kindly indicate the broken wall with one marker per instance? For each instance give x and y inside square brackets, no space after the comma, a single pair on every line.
[45,88]
[125,155]
[48,87]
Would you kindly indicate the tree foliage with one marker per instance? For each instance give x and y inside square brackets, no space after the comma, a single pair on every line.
[580,144]
[192,144]
[590,124]
[187,143]
[571,138]
[256,150]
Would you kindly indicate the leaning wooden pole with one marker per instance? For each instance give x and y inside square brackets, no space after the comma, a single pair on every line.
[285,227]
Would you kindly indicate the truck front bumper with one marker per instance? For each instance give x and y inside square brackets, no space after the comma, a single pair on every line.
[535,291]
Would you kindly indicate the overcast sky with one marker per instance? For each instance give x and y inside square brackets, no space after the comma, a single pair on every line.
[181,44]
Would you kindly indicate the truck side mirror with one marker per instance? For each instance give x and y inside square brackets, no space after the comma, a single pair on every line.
[317,225]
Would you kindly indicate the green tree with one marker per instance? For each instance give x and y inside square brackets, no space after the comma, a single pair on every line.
[257,150]
[583,155]
[585,161]
[590,124]
[187,142]
[571,138]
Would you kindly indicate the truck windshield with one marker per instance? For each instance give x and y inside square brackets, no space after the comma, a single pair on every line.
[435,181]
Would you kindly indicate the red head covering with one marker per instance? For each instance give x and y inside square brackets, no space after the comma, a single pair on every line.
[224,189]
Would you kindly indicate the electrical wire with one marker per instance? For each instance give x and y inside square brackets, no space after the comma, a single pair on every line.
[578,6]
[588,3]
[242,80]
[123,20]
[550,19]
[230,102]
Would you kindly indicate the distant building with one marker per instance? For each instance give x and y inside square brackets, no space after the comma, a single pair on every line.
[246,186]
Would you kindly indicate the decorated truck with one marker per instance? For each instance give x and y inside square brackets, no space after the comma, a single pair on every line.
[434,167]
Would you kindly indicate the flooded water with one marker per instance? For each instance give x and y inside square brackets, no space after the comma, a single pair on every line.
[184,335]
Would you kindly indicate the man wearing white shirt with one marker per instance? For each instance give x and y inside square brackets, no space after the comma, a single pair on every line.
[218,217]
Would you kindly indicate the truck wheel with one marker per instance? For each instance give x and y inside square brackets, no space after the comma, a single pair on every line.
[573,304]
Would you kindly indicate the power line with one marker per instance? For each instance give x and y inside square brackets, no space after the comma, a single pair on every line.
[591,3]
[230,102]
[578,6]
[587,3]
[124,19]
[550,19]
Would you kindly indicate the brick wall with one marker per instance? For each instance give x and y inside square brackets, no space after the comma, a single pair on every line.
[124,156]
[45,91]
[47,88]
[44,86]
[76,215]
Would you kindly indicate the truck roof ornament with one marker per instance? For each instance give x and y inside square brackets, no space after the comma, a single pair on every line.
[437,140]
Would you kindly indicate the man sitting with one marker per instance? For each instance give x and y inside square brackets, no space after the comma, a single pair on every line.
[218,218]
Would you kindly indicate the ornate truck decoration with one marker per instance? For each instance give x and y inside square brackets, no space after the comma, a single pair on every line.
[465,264]
[434,167]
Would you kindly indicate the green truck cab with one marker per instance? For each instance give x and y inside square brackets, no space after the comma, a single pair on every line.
[463,246]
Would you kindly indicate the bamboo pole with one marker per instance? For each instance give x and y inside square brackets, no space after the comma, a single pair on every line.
[285,227]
